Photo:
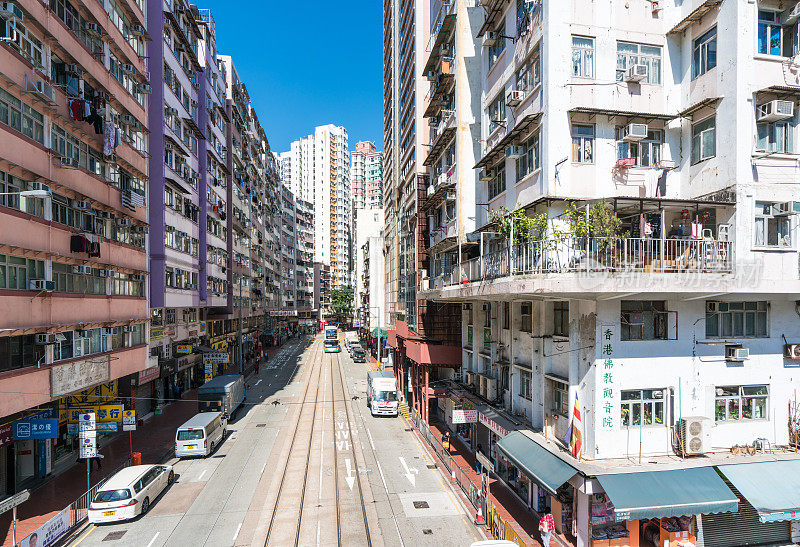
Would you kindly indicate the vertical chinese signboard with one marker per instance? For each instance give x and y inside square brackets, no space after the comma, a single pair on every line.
[608,394]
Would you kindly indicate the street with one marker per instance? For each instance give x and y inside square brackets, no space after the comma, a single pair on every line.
[324,472]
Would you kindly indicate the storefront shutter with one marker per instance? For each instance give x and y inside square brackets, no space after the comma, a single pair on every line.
[739,529]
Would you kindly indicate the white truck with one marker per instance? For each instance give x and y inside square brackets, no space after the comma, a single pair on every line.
[382,393]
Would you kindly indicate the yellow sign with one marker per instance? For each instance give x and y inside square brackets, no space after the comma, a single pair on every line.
[103,413]
[209,376]
[129,414]
[93,396]
[222,345]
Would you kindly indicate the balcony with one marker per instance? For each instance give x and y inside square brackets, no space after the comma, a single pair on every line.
[443,235]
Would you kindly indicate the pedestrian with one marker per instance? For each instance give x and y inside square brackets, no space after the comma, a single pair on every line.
[477,462]
[546,527]
[258,367]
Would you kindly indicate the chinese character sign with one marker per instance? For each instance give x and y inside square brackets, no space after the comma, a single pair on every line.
[606,380]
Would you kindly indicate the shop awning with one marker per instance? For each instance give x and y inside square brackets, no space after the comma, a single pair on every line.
[772,488]
[535,461]
[670,493]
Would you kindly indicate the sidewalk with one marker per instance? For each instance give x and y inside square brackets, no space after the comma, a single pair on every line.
[155,440]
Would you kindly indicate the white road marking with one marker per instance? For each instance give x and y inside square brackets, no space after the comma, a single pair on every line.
[152,541]
[410,472]
[259,381]
[201,475]
[350,478]
[236,535]
[372,444]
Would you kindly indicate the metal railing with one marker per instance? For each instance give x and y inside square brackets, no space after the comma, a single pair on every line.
[592,254]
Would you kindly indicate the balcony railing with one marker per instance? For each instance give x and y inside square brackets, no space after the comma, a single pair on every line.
[614,255]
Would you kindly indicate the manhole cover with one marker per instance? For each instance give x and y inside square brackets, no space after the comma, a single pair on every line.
[421,505]
[261,425]
[427,531]
[113,536]
[432,466]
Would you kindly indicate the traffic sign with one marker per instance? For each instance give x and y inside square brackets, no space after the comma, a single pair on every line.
[87,447]
[217,357]
[9,503]
[209,376]
[128,420]
[87,424]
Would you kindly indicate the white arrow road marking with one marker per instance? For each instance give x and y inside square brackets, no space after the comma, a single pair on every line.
[342,445]
[350,478]
[258,382]
[152,541]
[410,472]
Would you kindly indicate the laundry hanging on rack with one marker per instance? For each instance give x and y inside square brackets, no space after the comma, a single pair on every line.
[78,244]
[96,120]
[76,109]
[697,229]
[87,109]
[117,137]
[108,138]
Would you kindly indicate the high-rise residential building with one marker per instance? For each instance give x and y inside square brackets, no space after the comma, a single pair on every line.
[632,324]
[366,175]
[317,170]
[370,224]
[73,219]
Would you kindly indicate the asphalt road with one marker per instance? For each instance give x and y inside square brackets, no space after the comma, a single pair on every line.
[229,497]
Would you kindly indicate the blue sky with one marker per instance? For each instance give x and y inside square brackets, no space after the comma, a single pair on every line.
[307,64]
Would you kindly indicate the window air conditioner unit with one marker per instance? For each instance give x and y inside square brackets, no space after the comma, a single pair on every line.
[123,222]
[127,119]
[736,353]
[786,208]
[84,270]
[634,132]
[9,10]
[82,205]
[791,351]
[137,277]
[490,39]
[45,89]
[38,186]
[467,378]
[109,331]
[42,285]
[140,229]
[128,69]
[694,435]
[127,328]
[73,69]
[147,89]
[514,152]
[105,273]
[485,175]
[45,338]
[93,29]
[490,391]
[775,110]
[138,30]
[514,97]
[712,307]
[636,73]
[441,179]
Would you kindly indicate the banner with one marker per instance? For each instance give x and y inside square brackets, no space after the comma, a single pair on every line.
[35,429]
[48,533]
[465,416]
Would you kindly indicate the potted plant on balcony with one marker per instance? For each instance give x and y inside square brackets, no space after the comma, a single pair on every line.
[596,233]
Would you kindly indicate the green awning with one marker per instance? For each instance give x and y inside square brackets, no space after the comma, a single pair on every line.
[671,493]
[379,332]
[535,461]
[772,488]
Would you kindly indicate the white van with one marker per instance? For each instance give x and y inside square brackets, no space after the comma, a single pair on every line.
[200,435]
[129,492]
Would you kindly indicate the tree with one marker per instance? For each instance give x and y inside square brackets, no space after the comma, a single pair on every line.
[342,302]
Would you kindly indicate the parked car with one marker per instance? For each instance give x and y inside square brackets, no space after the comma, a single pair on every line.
[129,493]
[200,435]
[359,355]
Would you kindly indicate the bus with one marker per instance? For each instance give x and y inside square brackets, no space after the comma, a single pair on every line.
[332,346]
[331,333]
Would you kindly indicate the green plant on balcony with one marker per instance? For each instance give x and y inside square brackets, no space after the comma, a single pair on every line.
[517,221]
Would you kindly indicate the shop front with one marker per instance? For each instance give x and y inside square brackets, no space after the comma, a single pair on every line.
[146,397]
[26,457]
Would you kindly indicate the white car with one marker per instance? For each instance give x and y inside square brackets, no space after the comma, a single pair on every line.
[129,493]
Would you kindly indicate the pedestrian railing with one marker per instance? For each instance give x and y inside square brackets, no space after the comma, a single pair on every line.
[79,509]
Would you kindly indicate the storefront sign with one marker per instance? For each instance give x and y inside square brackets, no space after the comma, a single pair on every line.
[110,427]
[606,380]
[217,357]
[102,413]
[283,313]
[492,425]
[35,429]
[780,516]
[149,374]
[185,362]
[128,420]
[156,334]
[465,416]
[183,349]
[202,328]
[78,375]
[6,434]
[50,532]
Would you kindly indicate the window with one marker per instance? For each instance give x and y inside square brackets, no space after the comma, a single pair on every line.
[497,112]
[506,315]
[529,161]
[776,136]
[644,320]
[487,317]
[499,46]
[561,318]
[16,272]
[526,316]
[468,313]
[635,54]
[704,139]
[529,73]
[771,229]
[582,143]
[497,185]
[704,56]
[157,317]
[642,407]
[170,316]
[736,319]
[19,351]
[525,383]
[560,398]
[646,152]
[774,38]
[741,403]
[21,117]
[583,57]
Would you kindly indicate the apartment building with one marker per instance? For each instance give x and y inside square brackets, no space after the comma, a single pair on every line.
[73,217]
[366,174]
[650,287]
[370,224]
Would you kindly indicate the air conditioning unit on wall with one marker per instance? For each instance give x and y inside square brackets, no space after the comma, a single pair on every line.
[694,434]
